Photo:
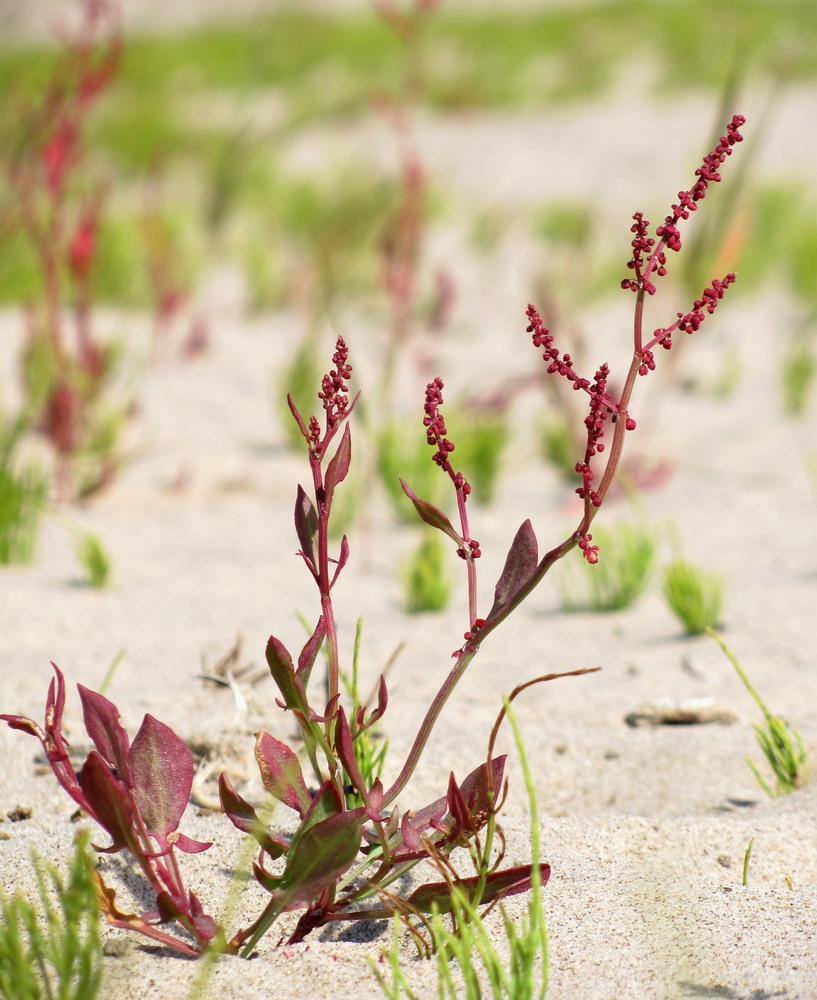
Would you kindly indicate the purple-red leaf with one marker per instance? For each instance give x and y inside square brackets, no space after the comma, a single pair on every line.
[161,769]
[382,704]
[168,907]
[457,808]
[299,420]
[480,794]
[187,844]
[102,725]
[107,799]
[306,526]
[338,467]
[281,773]
[243,817]
[283,673]
[498,885]
[310,652]
[432,515]
[344,748]
[342,559]
[320,856]
[520,566]
[205,926]
[428,818]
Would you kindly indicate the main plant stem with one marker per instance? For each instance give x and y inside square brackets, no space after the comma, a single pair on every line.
[471,647]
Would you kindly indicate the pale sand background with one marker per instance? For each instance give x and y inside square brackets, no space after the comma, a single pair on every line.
[645,828]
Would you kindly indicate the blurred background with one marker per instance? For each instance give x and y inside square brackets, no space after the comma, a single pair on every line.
[415,169]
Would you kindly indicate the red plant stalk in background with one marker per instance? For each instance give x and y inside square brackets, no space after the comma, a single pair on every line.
[351,843]
[48,177]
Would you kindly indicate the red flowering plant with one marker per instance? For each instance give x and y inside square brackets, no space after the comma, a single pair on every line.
[58,209]
[352,842]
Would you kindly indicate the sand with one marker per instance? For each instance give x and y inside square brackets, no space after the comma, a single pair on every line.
[645,828]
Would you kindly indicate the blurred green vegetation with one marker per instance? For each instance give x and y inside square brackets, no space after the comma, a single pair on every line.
[211,109]
[327,66]
[332,64]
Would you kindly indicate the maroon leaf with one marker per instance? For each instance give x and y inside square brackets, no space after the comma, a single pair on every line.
[205,926]
[428,818]
[242,815]
[498,885]
[161,768]
[338,467]
[299,420]
[187,844]
[309,653]
[283,673]
[478,792]
[102,725]
[108,801]
[520,565]
[382,704]
[53,743]
[281,773]
[432,515]
[24,725]
[346,752]
[342,559]
[319,857]
[168,907]
[457,808]
[306,527]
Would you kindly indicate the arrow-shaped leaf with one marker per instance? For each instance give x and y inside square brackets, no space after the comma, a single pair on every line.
[338,467]
[319,857]
[281,773]
[161,768]
[306,526]
[520,566]
[432,515]
[498,885]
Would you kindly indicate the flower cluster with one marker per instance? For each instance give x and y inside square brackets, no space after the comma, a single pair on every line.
[707,174]
[690,322]
[436,435]
[668,231]
[334,390]
[642,244]
[590,552]
[600,408]
[556,363]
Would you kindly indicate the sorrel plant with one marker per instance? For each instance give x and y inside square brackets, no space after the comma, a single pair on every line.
[352,843]
[65,367]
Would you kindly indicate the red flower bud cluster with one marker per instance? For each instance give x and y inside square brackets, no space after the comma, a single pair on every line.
[473,551]
[600,408]
[707,302]
[668,231]
[557,365]
[436,436]
[707,174]
[642,244]
[590,552]
[334,390]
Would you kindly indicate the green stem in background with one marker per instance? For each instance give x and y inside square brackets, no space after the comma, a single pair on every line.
[745,879]
[783,747]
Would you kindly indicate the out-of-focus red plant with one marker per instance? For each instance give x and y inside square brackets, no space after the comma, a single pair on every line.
[58,206]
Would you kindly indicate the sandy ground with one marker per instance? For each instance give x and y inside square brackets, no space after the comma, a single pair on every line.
[645,828]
